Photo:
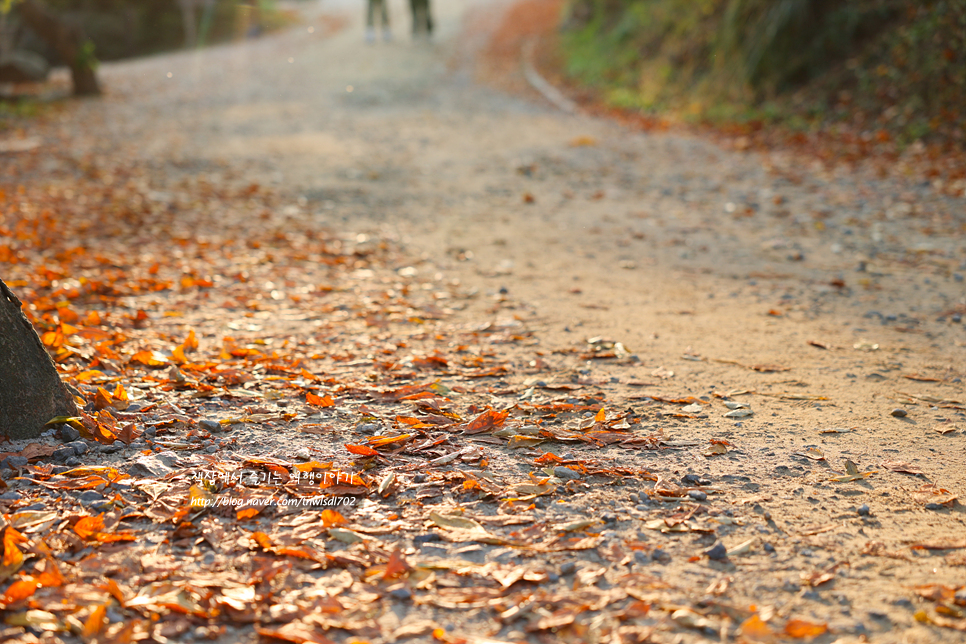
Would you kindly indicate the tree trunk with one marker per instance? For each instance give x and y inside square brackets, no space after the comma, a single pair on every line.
[31,392]
[68,40]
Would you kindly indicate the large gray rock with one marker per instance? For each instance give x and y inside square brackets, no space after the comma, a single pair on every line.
[21,66]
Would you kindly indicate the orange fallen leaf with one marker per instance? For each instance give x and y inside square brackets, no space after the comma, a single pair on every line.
[103,399]
[754,628]
[19,590]
[396,566]
[319,401]
[11,553]
[95,622]
[331,518]
[362,450]
[799,628]
[601,416]
[87,527]
[486,421]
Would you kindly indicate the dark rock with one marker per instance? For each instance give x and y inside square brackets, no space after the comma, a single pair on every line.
[80,447]
[73,461]
[566,473]
[419,478]
[717,552]
[642,557]
[150,432]
[660,555]
[864,510]
[68,434]
[210,425]
[22,66]
[89,497]
[694,479]
[905,602]
[553,577]
[899,412]
[634,497]
[698,495]
[61,454]
[568,568]
[768,547]
[935,506]
[400,593]
[10,496]
[420,539]
[609,517]
[33,507]
[16,461]
[642,508]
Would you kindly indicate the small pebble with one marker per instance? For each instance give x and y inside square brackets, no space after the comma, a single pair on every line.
[420,539]
[641,557]
[368,428]
[609,517]
[568,568]
[61,454]
[211,449]
[864,510]
[10,496]
[16,461]
[717,552]
[634,497]
[934,506]
[642,508]
[401,593]
[79,447]
[87,497]
[68,434]
[899,412]
[698,495]
[768,547]
[694,479]
[660,555]
[566,473]
[553,577]
[419,478]
[210,425]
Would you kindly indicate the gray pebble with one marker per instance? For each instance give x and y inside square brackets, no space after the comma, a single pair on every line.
[717,552]
[10,496]
[698,495]
[660,555]
[110,449]
[791,587]
[419,478]
[210,425]
[34,507]
[864,510]
[934,506]
[420,539]
[609,517]
[904,602]
[642,508]
[80,447]
[61,454]
[566,473]
[899,412]
[694,479]
[634,497]
[88,497]
[15,461]
[768,547]
[568,568]
[641,557]
[211,449]
[73,461]
[150,432]
[553,577]
[401,593]
[68,434]
[368,428]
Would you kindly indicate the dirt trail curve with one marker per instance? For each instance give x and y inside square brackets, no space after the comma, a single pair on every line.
[716,269]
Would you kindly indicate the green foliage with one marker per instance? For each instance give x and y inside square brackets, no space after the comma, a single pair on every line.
[125,28]
[776,59]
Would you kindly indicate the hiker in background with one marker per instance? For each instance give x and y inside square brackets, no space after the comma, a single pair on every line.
[379,5]
[422,19]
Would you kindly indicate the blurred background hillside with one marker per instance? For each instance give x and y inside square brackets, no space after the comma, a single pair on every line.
[887,70]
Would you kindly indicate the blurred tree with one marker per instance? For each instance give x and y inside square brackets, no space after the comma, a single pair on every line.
[68,40]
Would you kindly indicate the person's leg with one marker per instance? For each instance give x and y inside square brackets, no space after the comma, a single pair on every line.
[371,20]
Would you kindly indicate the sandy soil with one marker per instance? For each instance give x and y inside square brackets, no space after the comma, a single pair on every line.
[823,299]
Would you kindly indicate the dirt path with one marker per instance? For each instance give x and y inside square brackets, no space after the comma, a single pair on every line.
[821,299]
